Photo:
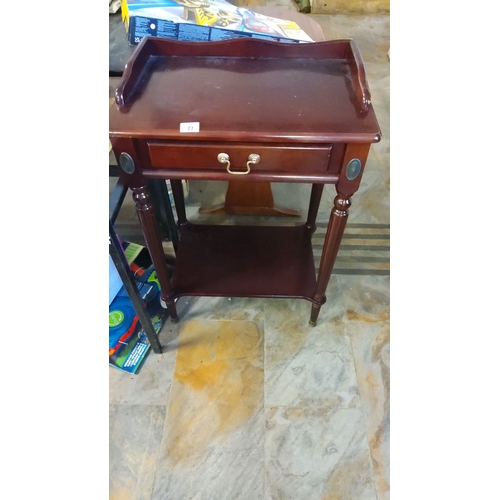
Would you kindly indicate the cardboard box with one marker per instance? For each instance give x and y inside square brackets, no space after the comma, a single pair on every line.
[203,20]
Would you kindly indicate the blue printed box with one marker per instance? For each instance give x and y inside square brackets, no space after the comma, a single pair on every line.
[203,20]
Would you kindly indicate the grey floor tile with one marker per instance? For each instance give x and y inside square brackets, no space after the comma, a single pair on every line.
[220,308]
[135,433]
[221,475]
[368,326]
[308,366]
[317,453]
[370,345]
[367,297]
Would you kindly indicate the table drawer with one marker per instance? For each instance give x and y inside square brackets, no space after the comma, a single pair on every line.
[272,158]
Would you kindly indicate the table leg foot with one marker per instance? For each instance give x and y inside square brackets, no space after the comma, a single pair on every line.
[314,314]
[172,311]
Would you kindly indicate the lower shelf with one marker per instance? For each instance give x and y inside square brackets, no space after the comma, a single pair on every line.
[244,261]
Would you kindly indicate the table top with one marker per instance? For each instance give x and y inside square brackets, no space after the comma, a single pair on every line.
[245,90]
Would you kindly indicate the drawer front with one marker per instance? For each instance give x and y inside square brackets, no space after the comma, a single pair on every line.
[273,158]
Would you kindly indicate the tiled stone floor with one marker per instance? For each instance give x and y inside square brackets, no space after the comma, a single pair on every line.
[279,410]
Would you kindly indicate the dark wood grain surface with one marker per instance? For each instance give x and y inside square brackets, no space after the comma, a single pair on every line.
[245,90]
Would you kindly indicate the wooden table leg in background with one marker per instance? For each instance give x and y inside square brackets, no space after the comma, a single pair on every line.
[180,207]
[316,192]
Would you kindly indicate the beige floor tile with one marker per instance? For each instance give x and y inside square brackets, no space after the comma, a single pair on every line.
[214,432]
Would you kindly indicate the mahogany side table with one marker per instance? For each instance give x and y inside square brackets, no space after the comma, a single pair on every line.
[252,110]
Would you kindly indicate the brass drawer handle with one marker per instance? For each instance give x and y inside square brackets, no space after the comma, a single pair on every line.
[252,159]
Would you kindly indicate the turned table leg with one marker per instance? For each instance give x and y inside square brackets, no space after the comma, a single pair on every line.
[334,232]
[349,179]
[146,215]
